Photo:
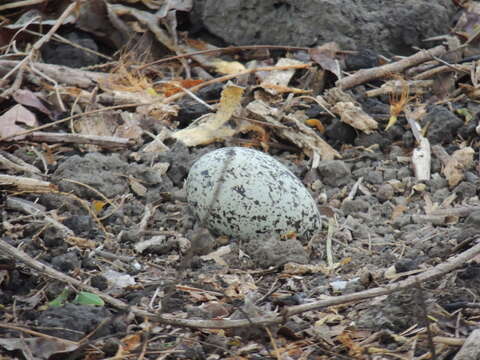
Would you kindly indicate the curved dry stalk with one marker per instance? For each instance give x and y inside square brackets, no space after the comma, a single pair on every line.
[439,270]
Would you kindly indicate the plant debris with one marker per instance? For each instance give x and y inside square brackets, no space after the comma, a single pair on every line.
[107,105]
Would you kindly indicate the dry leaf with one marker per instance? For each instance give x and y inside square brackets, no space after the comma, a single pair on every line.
[238,285]
[137,187]
[456,165]
[354,116]
[128,344]
[279,78]
[41,348]
[81,242]
[228,67]
[211,127]
[398,210]
[325,56]
[110,123]
[217,255]
[28,98]
[11,120]
[295,131]
[355,350]
[172,87]
[316,124]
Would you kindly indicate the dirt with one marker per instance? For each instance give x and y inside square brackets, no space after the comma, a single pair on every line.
[355,25]
[149,250]
[365,235]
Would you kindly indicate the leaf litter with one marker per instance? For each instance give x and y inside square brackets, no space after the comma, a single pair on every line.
[93,162]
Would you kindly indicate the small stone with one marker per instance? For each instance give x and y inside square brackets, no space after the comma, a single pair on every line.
[437,182]
[443,125]
[440,195]
[389,174]
[275,252]
[374,177]
[408,140]
[354,206]
[334,172]
[402,221]
[395,152]
[471,177]
[385,192]
[404,172]
[435,165]
[465,190]
[473,219]
[66,262]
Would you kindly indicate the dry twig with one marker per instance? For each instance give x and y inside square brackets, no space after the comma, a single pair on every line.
[439,270]
[36,47]
[378,72]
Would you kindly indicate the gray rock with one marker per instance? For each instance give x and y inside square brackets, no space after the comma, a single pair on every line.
[374,177]
[334,172]
[389,174]
[365,24]
[385,192]
[276,252]
[401,221]
[443,125]
[404,172]
[473,219]
[437,182]
[355,206]
[465,190]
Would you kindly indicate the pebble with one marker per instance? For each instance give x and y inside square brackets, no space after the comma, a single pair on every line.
[334,172]
[385,192]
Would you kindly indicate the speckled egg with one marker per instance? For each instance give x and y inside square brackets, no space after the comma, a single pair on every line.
[245,193]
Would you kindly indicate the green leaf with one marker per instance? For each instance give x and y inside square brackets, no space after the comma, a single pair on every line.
[86,298]
[465,113]
[60,299]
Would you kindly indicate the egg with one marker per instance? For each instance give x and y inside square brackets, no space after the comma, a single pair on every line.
[246,194]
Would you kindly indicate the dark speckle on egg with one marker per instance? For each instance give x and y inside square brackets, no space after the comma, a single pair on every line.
[245,193]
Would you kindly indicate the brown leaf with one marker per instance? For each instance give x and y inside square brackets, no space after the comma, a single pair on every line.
[28,98]
[354,116]
[211,127]
[325,56]
[456,165]
[279,78]
[41,348]
[9,121]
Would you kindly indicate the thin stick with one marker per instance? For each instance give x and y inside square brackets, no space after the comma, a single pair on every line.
[232,76]
[226,49]
[169,99]
[20,4]
[439,270]
[43,40]
[378,72]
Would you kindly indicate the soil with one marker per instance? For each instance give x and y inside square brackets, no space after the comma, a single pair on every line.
[358,25]
[169,264]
